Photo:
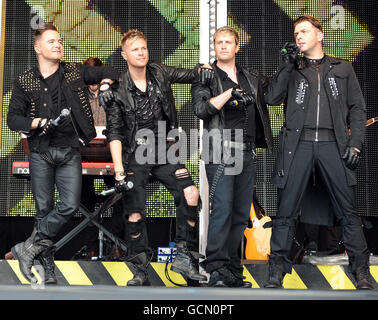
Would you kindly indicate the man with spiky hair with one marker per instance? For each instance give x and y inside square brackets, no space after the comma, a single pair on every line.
[324,130]
[49,104]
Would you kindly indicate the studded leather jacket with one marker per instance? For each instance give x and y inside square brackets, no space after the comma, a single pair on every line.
[27,101]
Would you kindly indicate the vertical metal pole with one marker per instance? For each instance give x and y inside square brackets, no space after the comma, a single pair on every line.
[213,14]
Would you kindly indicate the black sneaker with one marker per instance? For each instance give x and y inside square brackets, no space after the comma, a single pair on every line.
[221,277]
[238,282]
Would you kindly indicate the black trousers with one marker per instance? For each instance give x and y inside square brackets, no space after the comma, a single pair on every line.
[326,158]
[60,168]
[230,208]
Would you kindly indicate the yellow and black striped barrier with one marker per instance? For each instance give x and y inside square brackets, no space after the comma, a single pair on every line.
[89,273]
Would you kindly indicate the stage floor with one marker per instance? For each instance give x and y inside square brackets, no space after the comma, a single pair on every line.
[104,292]
[106,280]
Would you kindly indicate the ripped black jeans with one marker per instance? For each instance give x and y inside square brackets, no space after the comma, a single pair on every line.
[134,201]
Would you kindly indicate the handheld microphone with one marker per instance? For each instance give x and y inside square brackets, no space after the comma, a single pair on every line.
[54,123]
[284,51]
[63,114]
[290,49]
[128,186]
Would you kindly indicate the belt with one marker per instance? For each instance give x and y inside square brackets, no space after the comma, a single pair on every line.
[244,146]
[323,134]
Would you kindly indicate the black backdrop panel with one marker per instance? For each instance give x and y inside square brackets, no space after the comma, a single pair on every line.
[172,27]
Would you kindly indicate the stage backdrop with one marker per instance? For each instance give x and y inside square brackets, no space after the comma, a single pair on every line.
[94,28]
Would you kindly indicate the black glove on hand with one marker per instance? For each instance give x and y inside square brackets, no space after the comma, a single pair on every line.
[122,185]
[289,53]
[206,75]
[47,128]
[105,95]
[352,157]
[242,97]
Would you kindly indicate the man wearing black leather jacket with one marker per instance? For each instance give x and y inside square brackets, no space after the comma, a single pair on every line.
[143,104]
[49,104]
[324,130]
[230,102]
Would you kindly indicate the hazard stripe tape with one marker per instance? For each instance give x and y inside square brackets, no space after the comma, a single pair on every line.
[175,277]
[336,277]
[374,272]
[312,277]
[88,273]
[249,278]
[119,271]
[73,273]
[293,281]
[15,267]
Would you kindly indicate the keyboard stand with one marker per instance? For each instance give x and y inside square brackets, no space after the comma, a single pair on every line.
[91,218]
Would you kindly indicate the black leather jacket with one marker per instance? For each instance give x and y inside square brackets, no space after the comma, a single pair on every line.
[26,102]
[214,118]
[120,115]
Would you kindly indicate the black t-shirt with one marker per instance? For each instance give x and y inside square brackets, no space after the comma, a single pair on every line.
[64,134]
[235,117]
[148,112]
[148,108]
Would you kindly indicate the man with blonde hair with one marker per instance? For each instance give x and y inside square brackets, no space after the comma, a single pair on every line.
[232,104]
[143,104]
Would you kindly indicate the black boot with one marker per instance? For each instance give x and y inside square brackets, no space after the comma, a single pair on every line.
[26,252]
[139,254]
[140,262]
[363,278]
[276,273]
[360,264]
[184,263]
[46,258]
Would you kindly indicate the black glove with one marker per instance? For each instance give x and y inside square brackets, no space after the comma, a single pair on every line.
[47,128]
[289,53]
[242,97]
[206,75]
[105,95]
[122,186]
[352,157]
